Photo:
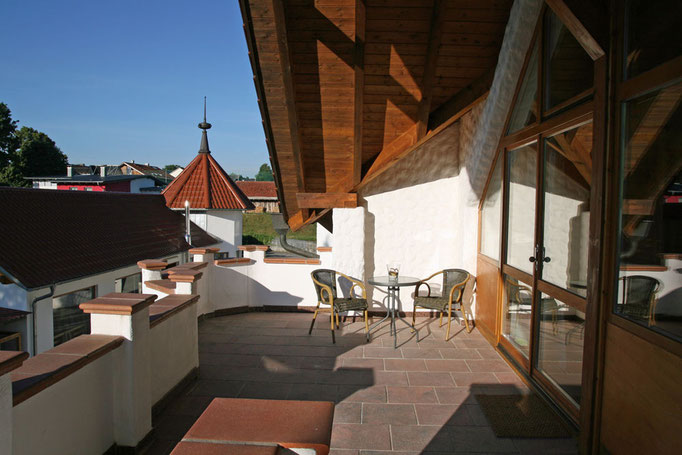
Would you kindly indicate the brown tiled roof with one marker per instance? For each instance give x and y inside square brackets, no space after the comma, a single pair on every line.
[255,190]
[49,236]
[149,170]
[205,185]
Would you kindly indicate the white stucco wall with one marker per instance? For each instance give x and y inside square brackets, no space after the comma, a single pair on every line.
[174,351]
[54,422]
[137,184]
[44,185]
[223,225]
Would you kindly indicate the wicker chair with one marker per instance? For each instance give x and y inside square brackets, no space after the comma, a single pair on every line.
[521,297]
[325,289]
[639,298]
[454,281]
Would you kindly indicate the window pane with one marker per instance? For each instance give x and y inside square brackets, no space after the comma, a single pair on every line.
[521,165]
[130,284]
[490,214]
[526,106]
[68,320]
[560,345]
[566,225]
[518,304]
[650,282]
[651,38]
[569,70]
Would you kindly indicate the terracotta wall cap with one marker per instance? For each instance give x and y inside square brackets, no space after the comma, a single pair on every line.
[118,303]
[187,266]
[164,308]
[233,261]
[152,264]
[185,276]
[253,247]
[11,360]
[324,249]
[292,261]
[203,250]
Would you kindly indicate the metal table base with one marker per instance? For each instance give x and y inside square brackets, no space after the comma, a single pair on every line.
[393,312]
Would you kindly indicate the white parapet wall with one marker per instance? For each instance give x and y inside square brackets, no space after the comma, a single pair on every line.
[75,415]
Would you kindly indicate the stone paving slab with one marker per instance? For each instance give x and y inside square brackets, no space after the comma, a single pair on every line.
[418,398]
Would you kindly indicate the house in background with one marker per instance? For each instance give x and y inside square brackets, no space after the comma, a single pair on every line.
[98,178]
[263,195]
[175,172]
[216,202]
[133,168]
[63,248]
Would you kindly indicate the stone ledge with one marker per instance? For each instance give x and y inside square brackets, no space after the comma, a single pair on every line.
[166,286]
[187,266]
[11,360]
[233,261]
[166,307]
[292,261]
[50,367]
[185,276]
[152,264]
[203,250]
[253,247]
[118,303]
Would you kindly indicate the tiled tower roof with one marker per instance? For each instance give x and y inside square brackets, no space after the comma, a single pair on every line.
[205,184]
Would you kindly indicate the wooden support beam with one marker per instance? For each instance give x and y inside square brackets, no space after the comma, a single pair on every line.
[359,87]
[465,98]
[299,219]
[585,22]
[564,147]
[327,200]
[435,34]
[289,94]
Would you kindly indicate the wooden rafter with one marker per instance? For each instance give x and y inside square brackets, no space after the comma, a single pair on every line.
[655,119]
[569,149]
[289,95]
[359,88]
[582,19]
[327,200]
[435,34]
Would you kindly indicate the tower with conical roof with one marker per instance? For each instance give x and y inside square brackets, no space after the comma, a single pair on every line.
[216,202]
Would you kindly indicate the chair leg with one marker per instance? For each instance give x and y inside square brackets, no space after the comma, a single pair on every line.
[367,324]
[414,315]
[447,332]
[441,319]
[466,320]
[314,316]
[337,319]
[332,322]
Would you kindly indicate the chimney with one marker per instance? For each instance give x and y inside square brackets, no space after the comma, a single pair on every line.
[103,171]
[69,171]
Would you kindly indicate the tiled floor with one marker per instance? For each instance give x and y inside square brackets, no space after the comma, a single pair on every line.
[415,399]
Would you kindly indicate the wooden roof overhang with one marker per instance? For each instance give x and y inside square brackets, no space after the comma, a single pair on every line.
[348,87]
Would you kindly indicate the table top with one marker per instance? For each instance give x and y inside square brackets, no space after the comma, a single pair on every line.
[401,280]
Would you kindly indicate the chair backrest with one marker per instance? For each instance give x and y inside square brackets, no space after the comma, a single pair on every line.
[452,277]
[639,289]
[326,277]
[514,289]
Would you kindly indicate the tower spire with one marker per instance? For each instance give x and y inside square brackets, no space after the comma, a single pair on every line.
[204,126]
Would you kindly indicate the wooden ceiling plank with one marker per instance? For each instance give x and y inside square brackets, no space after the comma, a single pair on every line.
[327,200]
[469,95]
[289,94]
[359,87]
[435,34]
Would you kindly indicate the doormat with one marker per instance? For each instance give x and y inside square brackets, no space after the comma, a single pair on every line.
[522,416]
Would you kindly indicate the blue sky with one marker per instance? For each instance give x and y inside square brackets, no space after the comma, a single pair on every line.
[112,81]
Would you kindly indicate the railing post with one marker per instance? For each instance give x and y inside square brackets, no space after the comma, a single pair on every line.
[151,270]
[127,315]
[206,255]
[185,281]
[9,360]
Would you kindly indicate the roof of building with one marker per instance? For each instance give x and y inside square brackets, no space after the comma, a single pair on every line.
[51,236]
[10,314]
[257,190]
[94,169]
[204,184]
[90,178]
[149,170]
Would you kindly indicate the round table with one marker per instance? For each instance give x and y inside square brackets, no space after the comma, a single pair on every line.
[393,284]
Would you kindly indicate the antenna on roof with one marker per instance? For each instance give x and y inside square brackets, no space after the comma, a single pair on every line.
[204,109]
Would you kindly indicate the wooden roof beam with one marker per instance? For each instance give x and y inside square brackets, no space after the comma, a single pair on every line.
[359,87]
[327,200]
[435,33]
[289,94]
[585,20]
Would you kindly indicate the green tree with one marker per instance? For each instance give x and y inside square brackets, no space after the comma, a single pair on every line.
[8,138]
[26,153]
[264,174]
